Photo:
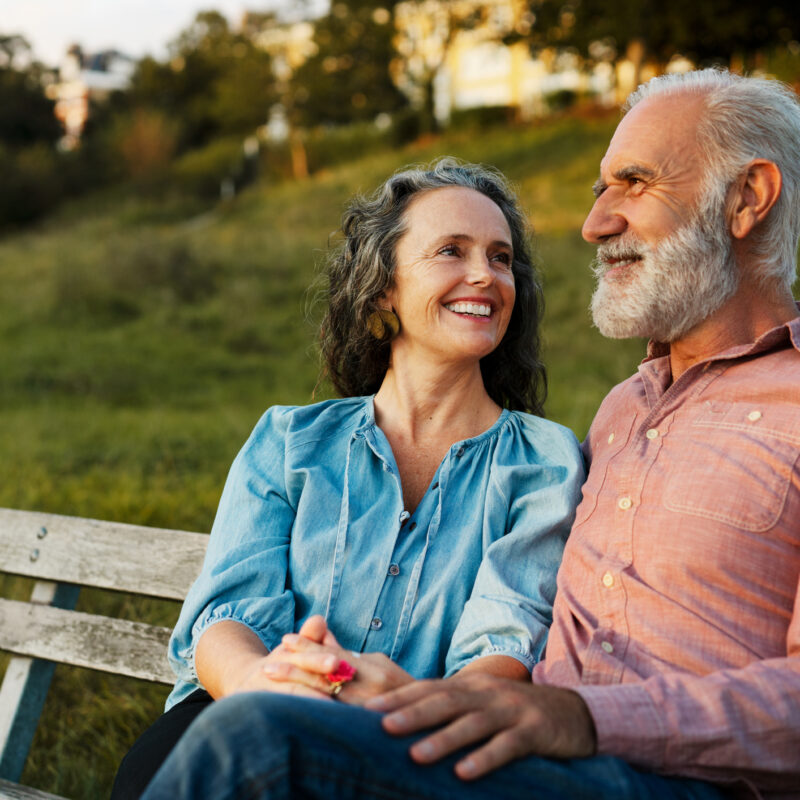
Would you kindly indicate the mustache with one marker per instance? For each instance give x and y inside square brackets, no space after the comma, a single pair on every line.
[627,247]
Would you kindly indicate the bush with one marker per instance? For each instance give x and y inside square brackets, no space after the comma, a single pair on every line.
[201,171]
[484,117]
[31,183]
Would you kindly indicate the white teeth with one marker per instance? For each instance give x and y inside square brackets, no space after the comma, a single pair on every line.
[476,309]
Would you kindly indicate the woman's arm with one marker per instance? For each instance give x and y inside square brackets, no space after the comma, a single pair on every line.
[230,658]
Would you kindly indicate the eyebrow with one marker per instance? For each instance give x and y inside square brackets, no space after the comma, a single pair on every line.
[465,237]
[623,174]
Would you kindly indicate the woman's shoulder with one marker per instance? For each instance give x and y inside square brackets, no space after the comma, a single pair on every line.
[298,424]
[550,440]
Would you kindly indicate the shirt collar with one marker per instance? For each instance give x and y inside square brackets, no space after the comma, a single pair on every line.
[768,341]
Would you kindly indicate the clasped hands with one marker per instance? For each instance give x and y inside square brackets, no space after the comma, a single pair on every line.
[507,719]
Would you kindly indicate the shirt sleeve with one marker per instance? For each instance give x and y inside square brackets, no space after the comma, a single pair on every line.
[743,722]
[244,575]
[510,608]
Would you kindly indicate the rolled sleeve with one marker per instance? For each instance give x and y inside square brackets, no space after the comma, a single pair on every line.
[510,607]
[244,575]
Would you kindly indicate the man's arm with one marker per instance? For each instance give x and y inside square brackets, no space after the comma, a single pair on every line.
[742,723]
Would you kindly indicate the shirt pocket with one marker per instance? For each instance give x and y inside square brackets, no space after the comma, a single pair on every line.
[735,465]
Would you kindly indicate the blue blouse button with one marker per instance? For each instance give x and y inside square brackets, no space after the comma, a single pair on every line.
[394,569]
[460,452]
[376,624]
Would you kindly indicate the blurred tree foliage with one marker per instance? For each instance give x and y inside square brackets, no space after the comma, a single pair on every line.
[708,32]
[31,180]
[216,82]
[348,78]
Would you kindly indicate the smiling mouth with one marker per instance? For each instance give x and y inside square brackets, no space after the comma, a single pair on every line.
[470,309]
[615,266]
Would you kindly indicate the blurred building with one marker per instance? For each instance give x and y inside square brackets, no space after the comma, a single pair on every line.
[84,79]
[472,54]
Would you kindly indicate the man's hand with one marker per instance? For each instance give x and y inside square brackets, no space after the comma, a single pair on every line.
[512,719]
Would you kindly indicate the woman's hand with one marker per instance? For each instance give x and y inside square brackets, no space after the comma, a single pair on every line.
[230,659]
[306,661]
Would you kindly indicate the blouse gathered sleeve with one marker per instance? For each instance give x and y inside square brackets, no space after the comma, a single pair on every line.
[510,608]
[244,575]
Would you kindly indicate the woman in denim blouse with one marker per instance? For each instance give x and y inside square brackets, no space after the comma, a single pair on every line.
[418,521]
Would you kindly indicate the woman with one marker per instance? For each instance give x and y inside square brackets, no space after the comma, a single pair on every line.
[423,515]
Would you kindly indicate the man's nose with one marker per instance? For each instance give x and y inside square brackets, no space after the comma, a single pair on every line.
[603,221]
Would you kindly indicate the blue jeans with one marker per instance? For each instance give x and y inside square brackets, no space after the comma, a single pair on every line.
[263,746]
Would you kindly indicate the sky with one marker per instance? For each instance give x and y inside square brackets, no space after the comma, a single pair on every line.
[135,27]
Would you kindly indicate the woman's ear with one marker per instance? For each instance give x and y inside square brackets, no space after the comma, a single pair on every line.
[756,193]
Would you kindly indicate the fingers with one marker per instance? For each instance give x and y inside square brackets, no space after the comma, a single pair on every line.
[434,706]
[287,673]
[314,628]
[499,750]
[404,695]
[464,730]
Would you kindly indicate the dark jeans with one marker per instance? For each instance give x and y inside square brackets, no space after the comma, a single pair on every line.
[265,746]
[151,749]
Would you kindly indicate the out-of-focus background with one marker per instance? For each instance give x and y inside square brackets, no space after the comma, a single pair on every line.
[170,176]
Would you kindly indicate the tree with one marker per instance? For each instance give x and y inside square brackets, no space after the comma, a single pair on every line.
[348,78]
[706,32]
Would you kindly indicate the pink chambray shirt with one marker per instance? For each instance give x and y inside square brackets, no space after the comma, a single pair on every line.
[677,617]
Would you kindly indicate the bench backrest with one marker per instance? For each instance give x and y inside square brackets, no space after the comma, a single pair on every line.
[63,554]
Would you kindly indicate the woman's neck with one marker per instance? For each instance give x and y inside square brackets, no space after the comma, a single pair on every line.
[434,404]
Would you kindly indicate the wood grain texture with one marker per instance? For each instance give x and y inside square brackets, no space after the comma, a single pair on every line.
[13,791]
[111,645]
[109,555]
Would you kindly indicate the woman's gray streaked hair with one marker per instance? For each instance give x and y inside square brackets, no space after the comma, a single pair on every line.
[361,269]
[745,119]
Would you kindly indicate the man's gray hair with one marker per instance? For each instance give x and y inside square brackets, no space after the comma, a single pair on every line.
[746,119]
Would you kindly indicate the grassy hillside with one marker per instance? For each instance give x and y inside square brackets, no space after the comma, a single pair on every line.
[140,341]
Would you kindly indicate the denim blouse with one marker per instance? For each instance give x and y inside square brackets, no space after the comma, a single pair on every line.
[312,521]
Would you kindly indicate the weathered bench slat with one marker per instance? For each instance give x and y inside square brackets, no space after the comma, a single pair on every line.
[24,688]
[13,791]
[111,645]
[108,555]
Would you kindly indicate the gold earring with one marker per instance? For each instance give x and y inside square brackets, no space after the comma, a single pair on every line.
[383,324]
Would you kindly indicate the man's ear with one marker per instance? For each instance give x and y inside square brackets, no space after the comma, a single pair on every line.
[756,192]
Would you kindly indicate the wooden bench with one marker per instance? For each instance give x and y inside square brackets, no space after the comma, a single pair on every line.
[62,554]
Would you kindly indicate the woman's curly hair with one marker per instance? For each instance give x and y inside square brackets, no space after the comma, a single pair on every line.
[362,267]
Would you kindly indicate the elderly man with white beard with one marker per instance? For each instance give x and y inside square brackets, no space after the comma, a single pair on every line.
[673,664]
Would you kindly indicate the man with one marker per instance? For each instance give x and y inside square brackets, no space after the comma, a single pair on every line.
[675,645]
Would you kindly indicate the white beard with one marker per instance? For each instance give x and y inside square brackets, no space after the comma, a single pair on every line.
[679,282]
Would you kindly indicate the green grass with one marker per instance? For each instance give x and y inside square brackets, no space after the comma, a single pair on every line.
[140,340]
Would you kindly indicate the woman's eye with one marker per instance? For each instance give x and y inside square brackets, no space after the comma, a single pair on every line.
[449,250]
[503,258]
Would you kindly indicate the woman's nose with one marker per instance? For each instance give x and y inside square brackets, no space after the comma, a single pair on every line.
[480,270]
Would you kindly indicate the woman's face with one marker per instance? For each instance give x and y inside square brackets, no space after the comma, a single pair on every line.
[453,289]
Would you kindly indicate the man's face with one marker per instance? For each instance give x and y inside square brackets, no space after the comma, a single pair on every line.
[664,261]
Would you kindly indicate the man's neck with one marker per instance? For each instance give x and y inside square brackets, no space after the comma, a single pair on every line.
[748,315]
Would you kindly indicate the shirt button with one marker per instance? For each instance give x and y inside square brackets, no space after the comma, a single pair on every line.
[404,515]
[459,452]
[625,503]
[376,624]
[610,438]
[394,569]
[652,434]
[753,416]
[608,580]
[608,647]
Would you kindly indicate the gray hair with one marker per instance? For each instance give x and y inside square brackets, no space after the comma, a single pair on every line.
[746,119]
[362,268]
